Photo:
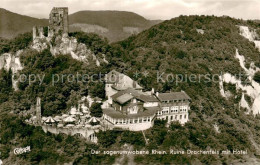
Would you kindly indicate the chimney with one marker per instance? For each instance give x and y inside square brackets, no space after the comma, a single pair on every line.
[152,92]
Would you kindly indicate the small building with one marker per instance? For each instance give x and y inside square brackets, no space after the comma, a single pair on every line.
[131,108]
[174,106]
[116,82]
[134,122]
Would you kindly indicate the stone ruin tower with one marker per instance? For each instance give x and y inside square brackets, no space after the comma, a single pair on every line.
[38,110]
[58,21]
[58,24]
[38,32]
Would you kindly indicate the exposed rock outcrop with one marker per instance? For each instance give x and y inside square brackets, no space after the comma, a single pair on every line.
[251,35]
[65,45]
[252,89]
[11,61]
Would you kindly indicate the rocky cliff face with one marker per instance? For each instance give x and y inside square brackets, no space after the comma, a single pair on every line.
[252,89]
[11,61]
[251,35]
[61,45]
[65,45]
[69,45]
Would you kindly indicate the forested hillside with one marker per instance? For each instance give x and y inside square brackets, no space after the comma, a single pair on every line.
[12,24]
[185,45]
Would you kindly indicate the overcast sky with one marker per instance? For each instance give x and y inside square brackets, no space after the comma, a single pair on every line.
[151,9]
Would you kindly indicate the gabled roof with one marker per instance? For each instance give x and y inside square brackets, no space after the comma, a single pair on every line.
[135,94]
[121,81]
[148,98]
[124,98]
[130,91]
[173,96]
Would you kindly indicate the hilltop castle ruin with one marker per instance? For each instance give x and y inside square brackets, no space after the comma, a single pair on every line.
[58,23]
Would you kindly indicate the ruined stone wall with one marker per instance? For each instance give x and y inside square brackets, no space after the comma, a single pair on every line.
[58,21]
[37,32]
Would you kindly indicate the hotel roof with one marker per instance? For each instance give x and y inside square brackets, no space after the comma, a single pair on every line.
[120,81]
[173,96]
[124,98]
[130,91]
[148,98]
[135,94]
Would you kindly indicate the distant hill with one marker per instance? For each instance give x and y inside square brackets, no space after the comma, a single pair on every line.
[12,24]
[115,25]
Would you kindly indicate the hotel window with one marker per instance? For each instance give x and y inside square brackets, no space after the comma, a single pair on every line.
[166,109]
[174,109]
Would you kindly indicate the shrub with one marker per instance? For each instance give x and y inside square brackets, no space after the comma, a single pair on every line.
[257,77]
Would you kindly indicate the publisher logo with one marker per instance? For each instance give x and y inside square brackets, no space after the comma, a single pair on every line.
[19,151]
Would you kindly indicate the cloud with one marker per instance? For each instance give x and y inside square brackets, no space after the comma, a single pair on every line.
[151,9]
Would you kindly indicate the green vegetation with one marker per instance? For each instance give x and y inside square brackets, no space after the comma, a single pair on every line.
[61,88]
[5,84]
[114,21]
[95,110]
[45,148]
[257,77]
[107,138]
[20,42]
[13,24]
